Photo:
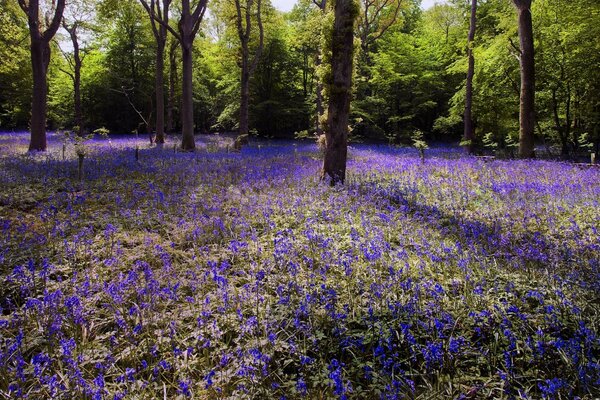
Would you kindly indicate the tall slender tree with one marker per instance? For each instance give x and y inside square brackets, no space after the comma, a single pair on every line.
[340,91]
[244,10]
[172,84]
[40,59]
[527,64]
[77,22]
[155,8]
[188,26]
[320,109]
[469,134]
[76,62]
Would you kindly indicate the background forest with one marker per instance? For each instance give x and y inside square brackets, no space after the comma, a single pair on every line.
[410,70]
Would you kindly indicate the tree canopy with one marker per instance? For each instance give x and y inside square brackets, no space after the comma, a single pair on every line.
[410,70]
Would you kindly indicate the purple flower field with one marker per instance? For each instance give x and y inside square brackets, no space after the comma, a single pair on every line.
[218,275]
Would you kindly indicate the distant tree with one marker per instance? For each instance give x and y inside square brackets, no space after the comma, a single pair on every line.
[567,99]
[244,11]
[15,67]
[40,59]
[527,63]
[340,91]
[374,19]
[188,26]
[171,100]
[161,11]
[77,17]
[121,95]
[320,109]
[469,134]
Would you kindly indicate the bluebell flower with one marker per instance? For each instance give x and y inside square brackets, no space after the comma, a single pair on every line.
[184,388]
[301,386]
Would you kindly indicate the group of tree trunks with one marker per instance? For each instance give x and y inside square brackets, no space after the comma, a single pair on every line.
[340,87]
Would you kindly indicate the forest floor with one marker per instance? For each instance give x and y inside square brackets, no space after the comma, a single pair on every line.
[240,275]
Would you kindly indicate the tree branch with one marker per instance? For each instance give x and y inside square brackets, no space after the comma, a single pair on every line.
[261,34]
[198,13]
[58,14]
[198,21]
[23,6]
[160,20]
[514,46]
[387,26]
[68,73]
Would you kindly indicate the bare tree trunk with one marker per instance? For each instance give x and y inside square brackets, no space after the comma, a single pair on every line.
[189,24]
[334,164]
[76,64]
[320,110]
[159,14]
[172,84]
[160,91]
[244,28]
[469,136]
[77,99]
[319,89]
[40,59]
[527,109]
[187,101]
[564,139]
[40,52]
[244,128]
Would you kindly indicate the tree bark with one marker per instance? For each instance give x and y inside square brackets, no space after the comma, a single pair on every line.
[172,84]
[469,134]
[562,132]
[40,59]
[160,91]
[159,14]
[319,99]
[527,63]
[77,64]
[40,56]
[189,24]
[342,49]
[187,101]
[244,28]
[244,128]
[319,89]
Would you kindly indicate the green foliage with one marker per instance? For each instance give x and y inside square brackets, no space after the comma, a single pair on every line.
[412,77]
[15,67]
[489,141]
[418,140]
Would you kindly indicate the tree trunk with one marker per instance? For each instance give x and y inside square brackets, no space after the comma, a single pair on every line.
[77,99]
[187,101]
[77,64]
[558,126]
[342,49]
[76,76]
[40,57]
[244,13]
[172,85]
[159,89]
[244,128]
[189,24]
[319,89]
[469,135]
[319,99]
[527,109]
